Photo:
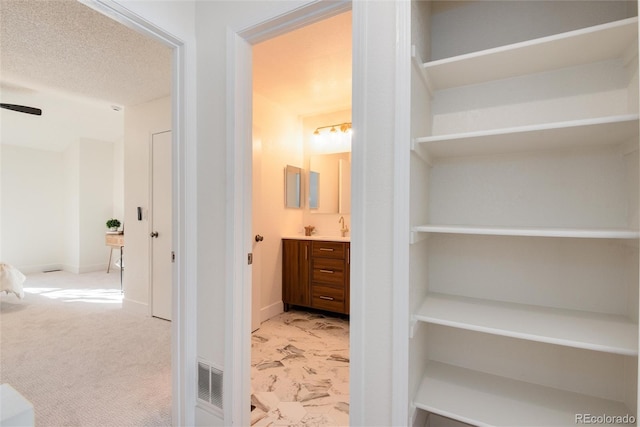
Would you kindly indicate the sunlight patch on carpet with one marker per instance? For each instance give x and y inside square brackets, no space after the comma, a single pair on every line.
[97,296]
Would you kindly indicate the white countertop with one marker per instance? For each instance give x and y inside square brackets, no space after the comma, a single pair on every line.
[324,238]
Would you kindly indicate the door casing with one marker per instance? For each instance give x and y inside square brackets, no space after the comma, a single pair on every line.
[184,209]
[237,381]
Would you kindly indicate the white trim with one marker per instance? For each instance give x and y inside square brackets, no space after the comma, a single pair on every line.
[401,220]
[135,307]
[237,379]
[41,268]
[270,311]
[357,314]
[239,122]
[315,11]
[184,216]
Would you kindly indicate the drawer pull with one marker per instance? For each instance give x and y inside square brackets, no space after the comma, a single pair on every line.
[327,298]
[327,249]
[327,271]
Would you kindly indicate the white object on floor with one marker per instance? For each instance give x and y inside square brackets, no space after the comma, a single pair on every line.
[11,280]
[15,410]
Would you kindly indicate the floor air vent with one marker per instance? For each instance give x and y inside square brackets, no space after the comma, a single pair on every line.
[210,385]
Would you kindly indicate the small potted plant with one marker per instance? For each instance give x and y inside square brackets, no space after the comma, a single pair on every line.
[113,224]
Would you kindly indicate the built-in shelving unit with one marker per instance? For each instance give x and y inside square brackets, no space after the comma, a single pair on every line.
[585,233]
[525,214]
[607,41]
[484,399]
[580,329]
[562,135]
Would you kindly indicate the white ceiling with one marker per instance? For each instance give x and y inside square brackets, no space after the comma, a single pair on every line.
[307,71]
[75,63]
[68,46]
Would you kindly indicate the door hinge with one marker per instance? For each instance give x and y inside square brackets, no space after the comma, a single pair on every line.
[173,256]
[249,258]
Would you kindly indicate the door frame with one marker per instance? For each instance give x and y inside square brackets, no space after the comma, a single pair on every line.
[237,379]
[184,216]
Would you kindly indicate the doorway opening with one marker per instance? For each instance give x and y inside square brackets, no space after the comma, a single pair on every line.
[182,226]
[301,117]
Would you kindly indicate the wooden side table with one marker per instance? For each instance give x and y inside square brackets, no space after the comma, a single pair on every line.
[115,241]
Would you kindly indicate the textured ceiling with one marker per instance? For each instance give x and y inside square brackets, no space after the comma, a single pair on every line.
[67,46]
[73,62]
[307,71]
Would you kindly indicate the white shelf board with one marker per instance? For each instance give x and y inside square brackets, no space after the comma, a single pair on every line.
[587,233]
[593,44]
[579,329]
[483,399]
[560,135]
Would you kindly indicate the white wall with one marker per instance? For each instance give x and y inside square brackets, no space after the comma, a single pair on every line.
[88,198]
[277,143]
[140,122]
[372,214]
[459,30]
[204,269]
[118,178]
[373,177]
[96,202]
[71,238]
[54,206]
[326,224]
[32,208]
[213,19]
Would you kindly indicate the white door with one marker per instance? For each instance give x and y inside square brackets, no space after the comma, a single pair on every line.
[256,194]
[160,224]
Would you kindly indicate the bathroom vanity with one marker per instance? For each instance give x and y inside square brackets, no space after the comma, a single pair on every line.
[315,273]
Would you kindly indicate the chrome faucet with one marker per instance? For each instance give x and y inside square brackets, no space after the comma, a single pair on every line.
[344,228]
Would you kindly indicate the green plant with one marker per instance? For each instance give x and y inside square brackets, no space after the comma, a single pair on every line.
[113,223]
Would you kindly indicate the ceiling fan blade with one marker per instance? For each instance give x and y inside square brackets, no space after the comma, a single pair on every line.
[22,109]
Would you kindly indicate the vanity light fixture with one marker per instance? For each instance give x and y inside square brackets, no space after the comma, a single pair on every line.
[344,128]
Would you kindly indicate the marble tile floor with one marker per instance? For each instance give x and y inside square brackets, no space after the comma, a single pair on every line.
[300,370]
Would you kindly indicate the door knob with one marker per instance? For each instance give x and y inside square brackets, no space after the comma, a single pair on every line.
[259,238]
[154,234]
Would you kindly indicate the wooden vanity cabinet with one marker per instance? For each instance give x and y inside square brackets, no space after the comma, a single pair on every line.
[295,273]
[316,274]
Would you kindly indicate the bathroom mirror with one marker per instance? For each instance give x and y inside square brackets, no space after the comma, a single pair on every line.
[330,183]
[292,187]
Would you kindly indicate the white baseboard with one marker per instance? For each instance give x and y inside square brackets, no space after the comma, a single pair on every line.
[75,269]
[269,311]
[30,269]
[71,269]
[135,307]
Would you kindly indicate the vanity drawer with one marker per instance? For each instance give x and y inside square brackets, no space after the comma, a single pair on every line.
[328,298]
[327,270]
[328,249]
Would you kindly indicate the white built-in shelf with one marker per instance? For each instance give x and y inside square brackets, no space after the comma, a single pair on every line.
[580,329]
[587,45]
[560,135]
[587,233]
[483,399]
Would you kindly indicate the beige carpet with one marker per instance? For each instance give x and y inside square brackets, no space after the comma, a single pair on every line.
[70,349]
